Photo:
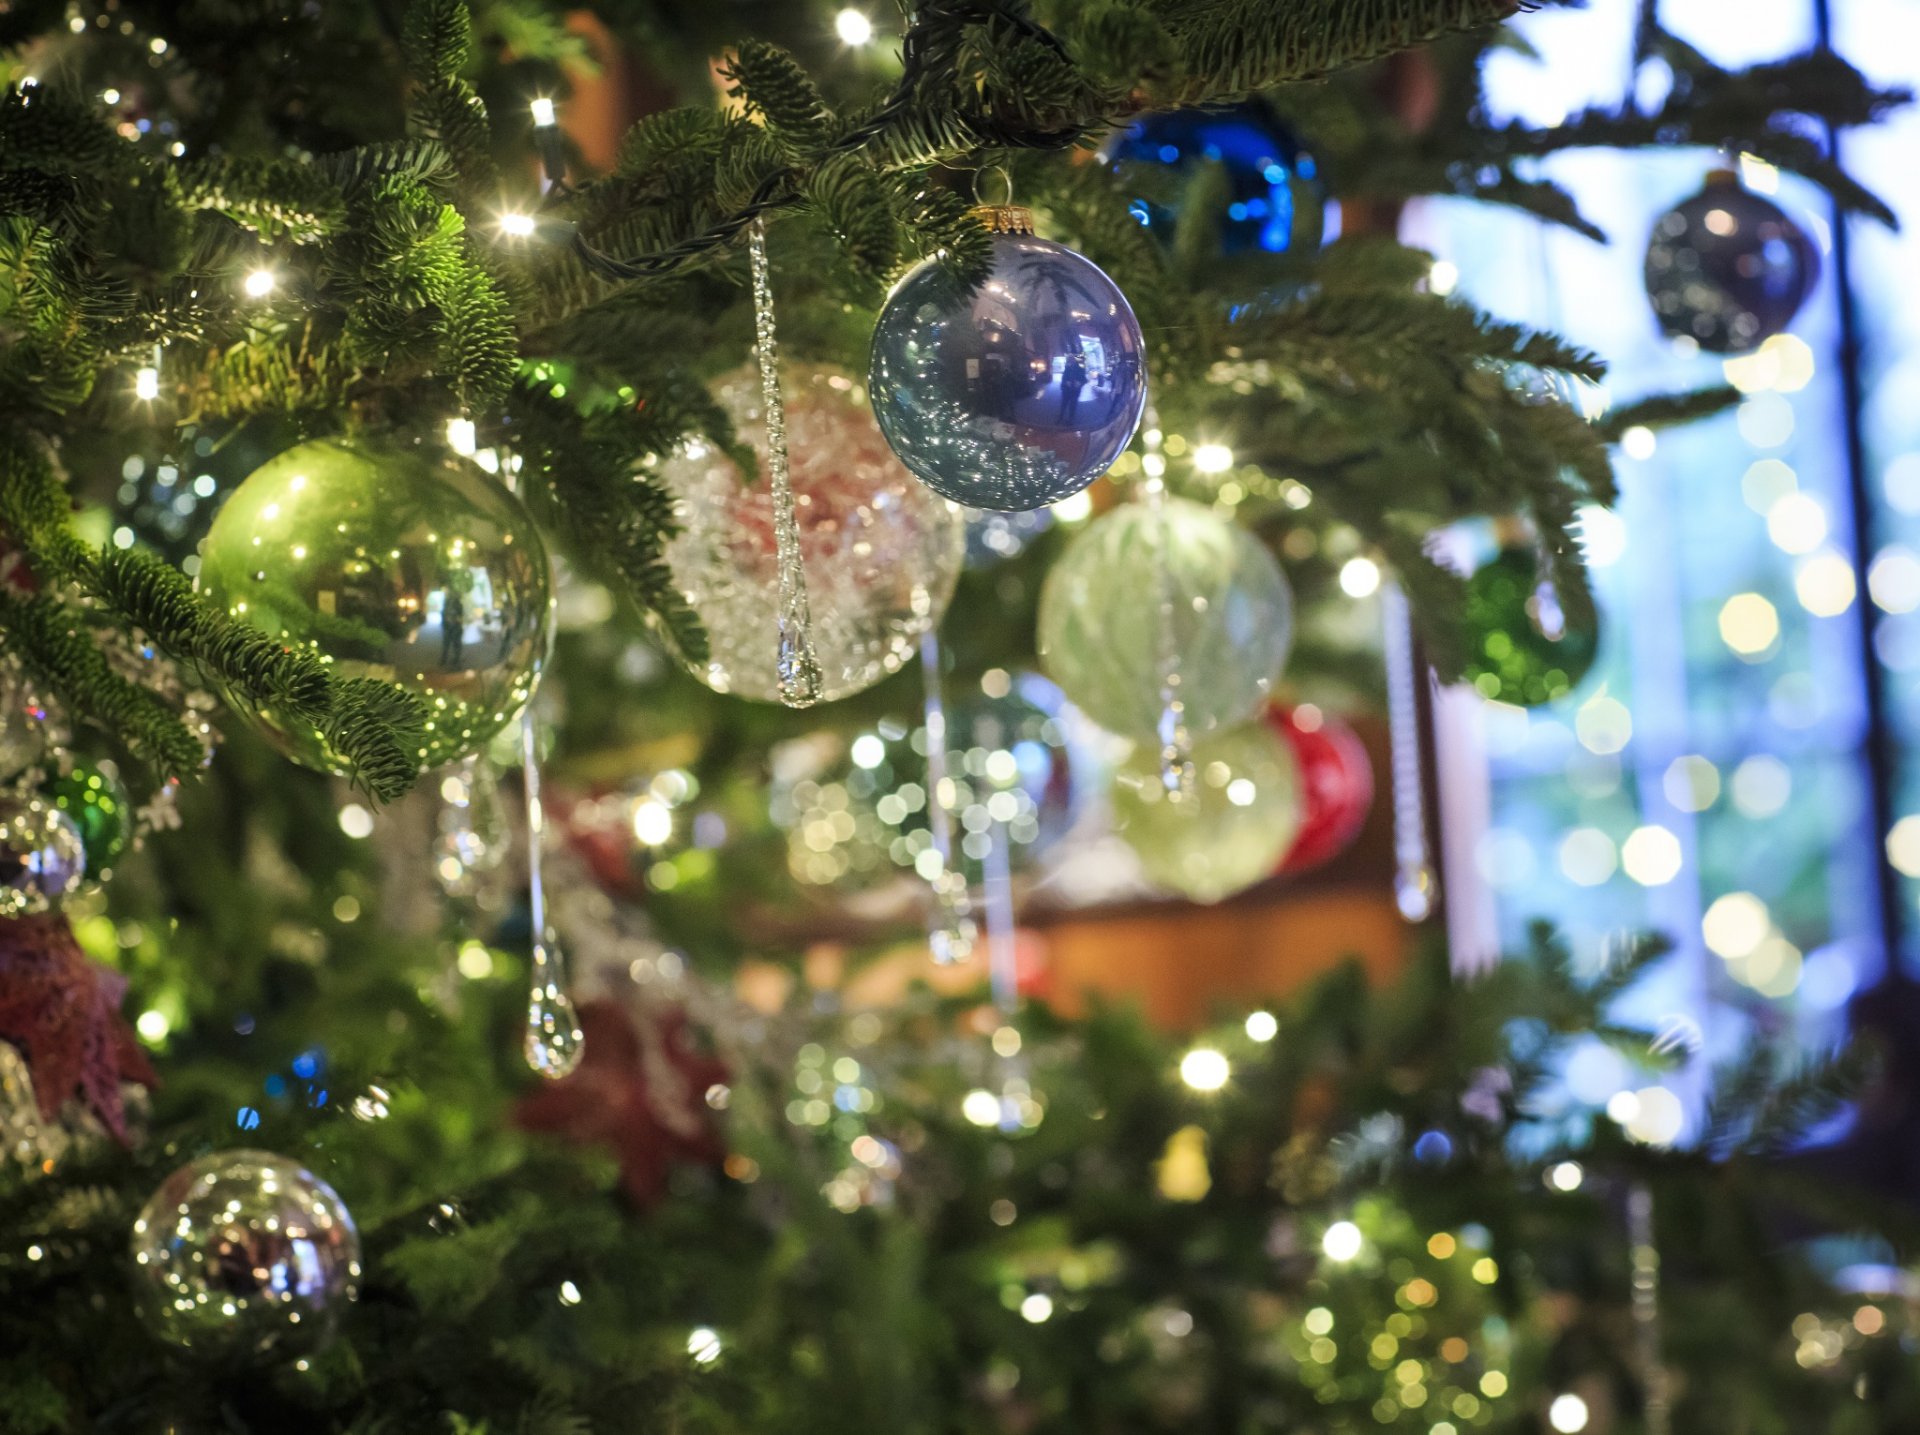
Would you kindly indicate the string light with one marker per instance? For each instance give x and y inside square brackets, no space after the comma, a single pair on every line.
[259,283]
[1212,458]
[1342,1241]
[146,383]
[461,437]
[1204,1069]
[516,225]
[543,111]
[853,27]
[1262,1026]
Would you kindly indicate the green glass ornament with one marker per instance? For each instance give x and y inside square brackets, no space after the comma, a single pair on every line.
[1145,591]
[389,565]
[1231,831]
[99,806]
[1521,648]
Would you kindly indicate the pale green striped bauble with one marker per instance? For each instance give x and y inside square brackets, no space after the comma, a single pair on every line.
[1230,831]
[1228,619]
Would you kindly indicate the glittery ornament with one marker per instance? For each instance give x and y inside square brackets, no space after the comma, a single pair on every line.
[1270,194]
[1141,579]
[100,808]
[1019,394]
[1336,783]
[42,856]
[62,1011]
[245,1253]
[1521,647]
[1231,831]
[1727,268]
[389,565]
[881,554]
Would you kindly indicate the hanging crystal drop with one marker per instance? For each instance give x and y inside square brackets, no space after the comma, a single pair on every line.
[795,662]
[471,842]
[1176,742]
[554,1038]
[951,929]
[1413,878]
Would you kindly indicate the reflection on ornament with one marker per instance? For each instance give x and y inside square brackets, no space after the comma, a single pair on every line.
[388,565]
[1272,198]
[1727,268]
[244,1252]
[1521,647]
[881,553]
[1010,760]
[1234,828]
[101,811]
[473,836]
[994,536]
[1229,621]
[23,724]
[1336,783]
[42,856]
[1019,395]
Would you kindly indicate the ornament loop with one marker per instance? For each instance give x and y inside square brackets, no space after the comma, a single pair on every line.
[1004,188]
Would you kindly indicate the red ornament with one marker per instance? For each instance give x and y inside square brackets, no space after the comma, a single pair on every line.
[1336,783]
[640,1091]
[63,1012]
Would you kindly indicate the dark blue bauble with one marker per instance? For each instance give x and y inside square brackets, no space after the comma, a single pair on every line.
[1018,395]
[1728,269]
[1275,199]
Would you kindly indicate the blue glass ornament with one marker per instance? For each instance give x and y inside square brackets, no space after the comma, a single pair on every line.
[1727,268]
[1018,395]
[1275,199]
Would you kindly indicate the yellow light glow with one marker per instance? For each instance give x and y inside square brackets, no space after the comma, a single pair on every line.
[461,437]
[1074,509]
[356,821]
[1036,1308]
[1749,624]
[1441,1246]
[1588,857]
[1603,725]
[146,383]
[1262,1025]
[516,225]
[1691,783]
[853,27]
[1824,585]
[153,1026]
[1797,523]
[1443,277]
[1342,1241]
[260,283]
[1567,1414]
[1359,577]
[652,822]
[1651,856]
[1212,458]
[981,1107]
[1893,580]
[1638,442]
[1658,1119]
[1565,1176]
[1903,846]
[543,111]
[1735,924]
[1603,536]
[703,1344]
[1205,1069]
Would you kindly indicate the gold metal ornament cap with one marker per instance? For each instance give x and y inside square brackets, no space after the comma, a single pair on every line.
[1005,218]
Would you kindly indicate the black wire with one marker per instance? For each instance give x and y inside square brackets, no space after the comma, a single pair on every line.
[932,40]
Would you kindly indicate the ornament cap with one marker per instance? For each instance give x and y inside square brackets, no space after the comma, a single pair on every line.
[1005,218]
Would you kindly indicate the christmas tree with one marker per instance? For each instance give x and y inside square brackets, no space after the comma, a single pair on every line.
[528,536]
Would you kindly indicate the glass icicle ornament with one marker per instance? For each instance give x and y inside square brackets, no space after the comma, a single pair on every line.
[881,553]
[951,929]
[796,665]
[471,841]
[1147,592]
[243,1253]
[1019,394]
[388,563]
[1413,885]
[554,1040]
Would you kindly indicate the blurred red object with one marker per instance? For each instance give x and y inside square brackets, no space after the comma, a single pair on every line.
[1336,783]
